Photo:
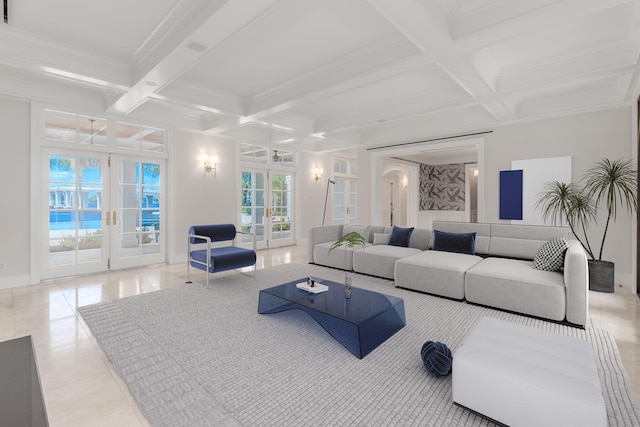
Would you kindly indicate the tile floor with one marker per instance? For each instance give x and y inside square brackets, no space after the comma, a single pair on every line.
[82,389]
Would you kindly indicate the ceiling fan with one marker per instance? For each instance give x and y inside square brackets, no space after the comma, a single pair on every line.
[276,156]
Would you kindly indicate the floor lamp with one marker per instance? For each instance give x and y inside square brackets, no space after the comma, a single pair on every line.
[326,196]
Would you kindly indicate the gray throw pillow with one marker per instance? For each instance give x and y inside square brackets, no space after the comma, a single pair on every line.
[381,238]
[550,256]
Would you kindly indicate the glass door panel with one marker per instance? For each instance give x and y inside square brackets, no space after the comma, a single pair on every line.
[352,209]
[253,207]
[281,209]
[74,218]
[267,208]
[137,221]
[339,202]
[345,193]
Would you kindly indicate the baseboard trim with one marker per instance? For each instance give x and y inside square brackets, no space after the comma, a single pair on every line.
[16,281]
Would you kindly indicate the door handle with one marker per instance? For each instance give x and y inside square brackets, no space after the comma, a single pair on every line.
[267,212]
[108,219]
[114,218]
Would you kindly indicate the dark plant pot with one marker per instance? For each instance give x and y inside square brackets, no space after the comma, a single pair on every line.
[601,276]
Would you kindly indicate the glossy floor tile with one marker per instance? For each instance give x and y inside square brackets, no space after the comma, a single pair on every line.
[82,389]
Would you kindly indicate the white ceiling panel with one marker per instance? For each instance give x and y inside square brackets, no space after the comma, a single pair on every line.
[559,43]
[325,75]
[454,121]
[113,29]
[417,82]
[575,97]
[295,38]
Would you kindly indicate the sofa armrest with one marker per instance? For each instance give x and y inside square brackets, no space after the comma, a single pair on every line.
[576,282]
[321,234]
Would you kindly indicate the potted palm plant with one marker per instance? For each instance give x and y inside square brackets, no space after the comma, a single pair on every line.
[608,184]
[349,240]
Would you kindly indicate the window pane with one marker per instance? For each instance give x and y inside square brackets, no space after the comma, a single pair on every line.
[153,140]
[92,130]
[61,126]
[127,135]
[151,173]
[253,153]
[246,179]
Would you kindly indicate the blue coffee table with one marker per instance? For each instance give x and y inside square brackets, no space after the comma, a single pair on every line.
[360,323]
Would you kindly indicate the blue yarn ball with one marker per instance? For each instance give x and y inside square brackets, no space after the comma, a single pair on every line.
[437,358]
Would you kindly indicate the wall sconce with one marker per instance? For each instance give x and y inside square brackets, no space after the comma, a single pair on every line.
[317,173]
[210,164]
[405,181]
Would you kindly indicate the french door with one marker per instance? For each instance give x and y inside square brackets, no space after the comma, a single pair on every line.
[267,207]
[345,193]
[101,211]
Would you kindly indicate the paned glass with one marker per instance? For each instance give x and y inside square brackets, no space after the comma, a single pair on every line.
[75,215]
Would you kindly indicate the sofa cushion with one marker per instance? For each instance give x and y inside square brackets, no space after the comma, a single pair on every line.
[337,258]
[379,260]
[550,256]
[362,230]
[400,236]
[435,272]
[521,241]
[462,243]
[514,285]
[381,238]
[420,239]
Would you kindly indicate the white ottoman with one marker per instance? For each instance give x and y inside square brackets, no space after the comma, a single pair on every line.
[522,376]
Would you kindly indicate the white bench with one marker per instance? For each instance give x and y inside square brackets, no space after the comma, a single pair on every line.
[523,376]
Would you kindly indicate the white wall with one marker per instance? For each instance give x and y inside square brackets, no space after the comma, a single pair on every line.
[310,194]
[15,122]
[587,138]
[199,199]
[364,187]
[194,199]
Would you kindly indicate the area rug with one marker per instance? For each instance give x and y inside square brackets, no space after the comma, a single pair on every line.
[193,356]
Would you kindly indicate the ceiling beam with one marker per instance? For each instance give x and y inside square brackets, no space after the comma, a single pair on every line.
[223,23]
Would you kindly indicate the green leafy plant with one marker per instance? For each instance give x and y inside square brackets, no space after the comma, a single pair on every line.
[608,184]
[349,240]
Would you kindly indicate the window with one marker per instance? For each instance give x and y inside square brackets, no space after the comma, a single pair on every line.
[75,128]
[139,137]
[282,158]
[345,191]
[253,154]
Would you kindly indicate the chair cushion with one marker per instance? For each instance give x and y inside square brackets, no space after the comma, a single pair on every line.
[216,232]
[225,258]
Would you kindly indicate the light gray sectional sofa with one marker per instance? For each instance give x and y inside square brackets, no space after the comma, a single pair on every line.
[500,274]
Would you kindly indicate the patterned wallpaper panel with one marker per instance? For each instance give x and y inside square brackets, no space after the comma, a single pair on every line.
[442,187]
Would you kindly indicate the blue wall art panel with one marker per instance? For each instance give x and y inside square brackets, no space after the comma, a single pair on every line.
[511,194]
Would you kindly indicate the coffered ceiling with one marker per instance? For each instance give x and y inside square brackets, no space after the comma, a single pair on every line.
[323,75]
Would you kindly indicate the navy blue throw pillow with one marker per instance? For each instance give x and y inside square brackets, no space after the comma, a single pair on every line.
[400,236]
[462,243]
